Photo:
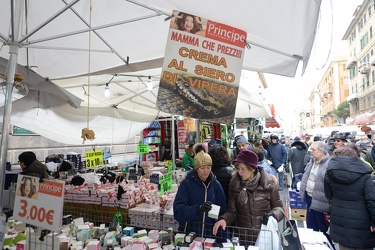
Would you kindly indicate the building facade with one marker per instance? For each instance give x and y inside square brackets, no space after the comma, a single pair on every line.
[361,63]
[333,90]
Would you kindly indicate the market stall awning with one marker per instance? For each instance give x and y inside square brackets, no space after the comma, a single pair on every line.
[361,119]
[272,123]
[274,120]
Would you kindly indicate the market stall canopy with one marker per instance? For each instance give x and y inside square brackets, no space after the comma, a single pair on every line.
[361,119]
[128,37]
[55,33]
[36,85]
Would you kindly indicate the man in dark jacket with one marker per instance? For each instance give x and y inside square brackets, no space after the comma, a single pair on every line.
[31,166]
[296,158]
[277,154]
[349,187]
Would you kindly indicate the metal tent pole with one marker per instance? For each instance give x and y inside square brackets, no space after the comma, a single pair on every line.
[13,57]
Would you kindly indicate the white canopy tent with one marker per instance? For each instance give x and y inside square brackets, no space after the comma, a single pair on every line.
[55,41]
[52,37]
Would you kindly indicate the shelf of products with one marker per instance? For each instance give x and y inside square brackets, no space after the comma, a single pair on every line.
[152,137]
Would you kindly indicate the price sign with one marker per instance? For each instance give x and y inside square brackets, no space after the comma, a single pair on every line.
[94,158]
[39,203]
[166,183]
[170,167]
[143,149]
[35,213]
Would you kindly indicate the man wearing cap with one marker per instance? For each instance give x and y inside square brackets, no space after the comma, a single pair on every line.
[196,194]
[252,194]
[364,147]
[241,144]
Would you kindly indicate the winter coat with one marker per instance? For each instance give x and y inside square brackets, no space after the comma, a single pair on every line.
[277,154]
[349,187]
[36,168]
[265,198]
[368,157]
[224,176]
[296,157]
[319,201]
[192,193]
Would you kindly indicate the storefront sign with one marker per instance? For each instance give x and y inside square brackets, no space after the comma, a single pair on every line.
[202,68]
[94,158]
[39,203]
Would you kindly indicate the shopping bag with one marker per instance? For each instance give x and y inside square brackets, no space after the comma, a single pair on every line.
[289,236]
[268,238]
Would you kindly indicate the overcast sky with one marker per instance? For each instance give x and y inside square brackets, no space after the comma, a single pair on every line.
[284,92]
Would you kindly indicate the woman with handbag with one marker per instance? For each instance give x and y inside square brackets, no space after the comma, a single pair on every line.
[252,194]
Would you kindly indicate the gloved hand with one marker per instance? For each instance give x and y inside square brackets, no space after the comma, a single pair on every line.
[266,216]
[205,207]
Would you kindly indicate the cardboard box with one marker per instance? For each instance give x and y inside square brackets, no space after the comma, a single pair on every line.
[298,214]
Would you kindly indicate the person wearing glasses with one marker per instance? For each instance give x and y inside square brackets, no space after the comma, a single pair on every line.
[31,166]
[196,195]
[312,189]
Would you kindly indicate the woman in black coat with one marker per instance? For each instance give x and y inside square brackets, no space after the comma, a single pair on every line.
[349,187]
[221,166]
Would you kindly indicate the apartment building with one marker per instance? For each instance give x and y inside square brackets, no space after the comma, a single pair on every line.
[334,90]
[361,64]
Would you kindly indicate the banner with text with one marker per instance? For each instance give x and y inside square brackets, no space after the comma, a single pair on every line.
[39,203]
[201,69]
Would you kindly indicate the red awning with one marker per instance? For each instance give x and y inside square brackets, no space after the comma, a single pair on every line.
[272,123]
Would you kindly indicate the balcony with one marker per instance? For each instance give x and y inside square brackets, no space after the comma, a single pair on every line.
[350,63]
[364,68]
[352,97]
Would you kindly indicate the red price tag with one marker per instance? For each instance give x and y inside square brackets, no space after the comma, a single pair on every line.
[35,213]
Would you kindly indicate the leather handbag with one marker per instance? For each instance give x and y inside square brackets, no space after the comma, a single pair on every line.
[289,236]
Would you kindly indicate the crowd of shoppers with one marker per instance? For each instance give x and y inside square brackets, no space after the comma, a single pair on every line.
[336,182]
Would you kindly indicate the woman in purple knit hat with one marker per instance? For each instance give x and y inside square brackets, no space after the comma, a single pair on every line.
[252,194]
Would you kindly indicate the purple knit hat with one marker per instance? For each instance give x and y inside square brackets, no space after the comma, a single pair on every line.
[247,157]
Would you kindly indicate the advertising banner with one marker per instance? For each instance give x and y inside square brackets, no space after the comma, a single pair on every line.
[201,69]
[39,203]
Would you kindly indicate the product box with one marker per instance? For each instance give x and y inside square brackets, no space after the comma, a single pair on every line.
[214,212]
[292,193]
[179,238]
[298,214]
[292,203]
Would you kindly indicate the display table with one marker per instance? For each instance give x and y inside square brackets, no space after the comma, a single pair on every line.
[97,214]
